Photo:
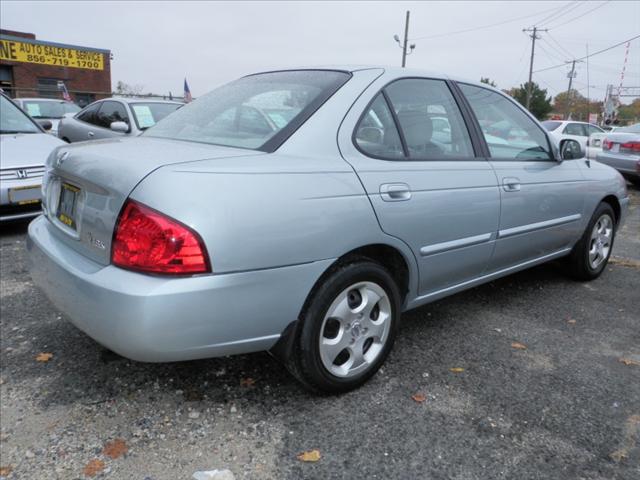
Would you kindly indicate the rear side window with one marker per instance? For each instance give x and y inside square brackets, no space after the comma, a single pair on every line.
[89,114]
[550,125]
[112,112]
[509,132]
[575,129]
[593,129]
[376,134]
[429,119]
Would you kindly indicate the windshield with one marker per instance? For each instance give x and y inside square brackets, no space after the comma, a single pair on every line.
[14,120]
[635,128]
[45,109]
[148,114]
[550,125]
[257,112]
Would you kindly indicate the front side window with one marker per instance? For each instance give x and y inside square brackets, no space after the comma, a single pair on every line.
[430,120]
[376,134]
[89,114]
[257,112]
[111,112]
[509,132]
[591,129]
[575,129]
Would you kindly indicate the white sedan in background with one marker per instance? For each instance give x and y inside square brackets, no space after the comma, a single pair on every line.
[578,131]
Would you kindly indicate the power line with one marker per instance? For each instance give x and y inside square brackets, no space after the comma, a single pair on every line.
[484,26]
[551,55]
[580,16]
[567,52]
[571,8]
[591,55]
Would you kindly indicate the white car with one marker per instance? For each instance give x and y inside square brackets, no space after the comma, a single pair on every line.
[578,131]
[47,109]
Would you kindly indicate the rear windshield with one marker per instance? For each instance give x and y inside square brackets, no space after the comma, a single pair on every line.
[257,112]
[551,126]
[44,109]
[148,114]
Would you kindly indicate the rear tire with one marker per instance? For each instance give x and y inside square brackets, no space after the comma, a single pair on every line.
[590,255]
[347,328]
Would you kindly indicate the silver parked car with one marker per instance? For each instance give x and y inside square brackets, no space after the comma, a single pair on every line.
[621,150]
[214,233]
[24,147]
[47,109]
[578,131]
[114,117]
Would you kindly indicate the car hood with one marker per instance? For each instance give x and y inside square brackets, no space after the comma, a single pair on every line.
[23,149]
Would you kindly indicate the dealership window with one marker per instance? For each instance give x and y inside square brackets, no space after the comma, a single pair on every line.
[48,88]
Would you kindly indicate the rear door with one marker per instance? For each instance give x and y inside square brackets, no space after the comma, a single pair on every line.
[410,146]
[542,198]
[76,129]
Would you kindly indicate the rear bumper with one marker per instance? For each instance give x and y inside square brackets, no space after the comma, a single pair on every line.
[157,319]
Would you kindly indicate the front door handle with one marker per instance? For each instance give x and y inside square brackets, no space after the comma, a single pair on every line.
[395,192]
[511,184]
[90,134]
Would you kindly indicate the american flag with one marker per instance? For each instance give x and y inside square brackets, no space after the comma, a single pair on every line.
[65,93]
[187,92]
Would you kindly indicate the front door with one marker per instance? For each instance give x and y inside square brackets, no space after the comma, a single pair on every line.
[542,198]
[413,153]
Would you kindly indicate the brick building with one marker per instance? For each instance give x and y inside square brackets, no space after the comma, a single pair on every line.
[35,68]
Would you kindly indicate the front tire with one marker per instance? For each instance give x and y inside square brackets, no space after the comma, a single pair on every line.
[590,255]
[347,328]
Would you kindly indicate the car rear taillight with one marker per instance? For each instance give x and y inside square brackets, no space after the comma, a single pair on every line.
[607,144]
[148,241]
[630,147]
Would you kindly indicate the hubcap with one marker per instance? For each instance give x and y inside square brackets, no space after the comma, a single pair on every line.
[355,329]
[601,239]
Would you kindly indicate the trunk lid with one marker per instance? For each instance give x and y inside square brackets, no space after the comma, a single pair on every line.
[86,184]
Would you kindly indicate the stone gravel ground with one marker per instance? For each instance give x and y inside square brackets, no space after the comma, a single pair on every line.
[565,407]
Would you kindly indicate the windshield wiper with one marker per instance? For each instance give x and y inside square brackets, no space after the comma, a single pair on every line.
[16,131]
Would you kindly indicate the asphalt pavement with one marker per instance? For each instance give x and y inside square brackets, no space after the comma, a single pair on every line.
[534,376]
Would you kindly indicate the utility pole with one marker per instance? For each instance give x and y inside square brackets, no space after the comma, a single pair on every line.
[534,36]
[571,74]
[404,45]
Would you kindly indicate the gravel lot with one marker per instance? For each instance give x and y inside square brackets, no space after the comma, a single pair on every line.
[566,406]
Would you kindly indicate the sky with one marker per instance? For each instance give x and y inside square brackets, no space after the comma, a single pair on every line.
[158,44]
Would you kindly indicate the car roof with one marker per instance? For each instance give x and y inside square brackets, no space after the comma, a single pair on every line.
[32,99]
[140,99]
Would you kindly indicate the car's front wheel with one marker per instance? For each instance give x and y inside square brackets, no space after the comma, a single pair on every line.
[590,255]
[347,328]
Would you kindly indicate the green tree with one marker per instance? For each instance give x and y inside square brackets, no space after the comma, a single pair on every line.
[629,113]
[488,81]
[540,103]
[576,104]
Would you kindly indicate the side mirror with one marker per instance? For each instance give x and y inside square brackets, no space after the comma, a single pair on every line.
[120,127]
[46,124]
[570,150]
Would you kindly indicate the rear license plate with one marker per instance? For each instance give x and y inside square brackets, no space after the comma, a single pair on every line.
[615,148]
[25,195]
[67,205]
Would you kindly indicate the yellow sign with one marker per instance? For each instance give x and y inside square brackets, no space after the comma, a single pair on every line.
[17,51]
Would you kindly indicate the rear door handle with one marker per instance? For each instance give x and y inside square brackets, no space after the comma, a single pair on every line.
[90,134]
[395,192]
[511,184]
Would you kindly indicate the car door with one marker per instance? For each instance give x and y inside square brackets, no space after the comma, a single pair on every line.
[110,111]
[541,198]
[75,129]
[432,192]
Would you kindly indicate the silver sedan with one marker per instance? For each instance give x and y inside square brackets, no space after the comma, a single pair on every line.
[621,150]
[303,211]
[114,117]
